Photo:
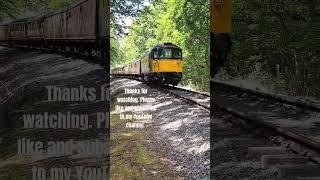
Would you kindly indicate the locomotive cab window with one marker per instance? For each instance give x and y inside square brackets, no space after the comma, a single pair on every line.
[170,53]
[155,54]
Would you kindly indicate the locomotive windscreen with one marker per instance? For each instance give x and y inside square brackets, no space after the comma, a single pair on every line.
[169,53]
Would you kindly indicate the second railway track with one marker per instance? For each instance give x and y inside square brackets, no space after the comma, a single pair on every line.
[286,123]
[290,153]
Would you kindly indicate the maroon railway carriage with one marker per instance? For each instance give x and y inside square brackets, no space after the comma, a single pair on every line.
[3,33]
[34,31]
[132,70]
[17,32]
[82,26]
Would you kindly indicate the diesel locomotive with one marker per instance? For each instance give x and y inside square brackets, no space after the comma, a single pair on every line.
[162,64]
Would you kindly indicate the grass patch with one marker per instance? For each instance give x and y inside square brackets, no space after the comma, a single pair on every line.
[116,123]
[130,158]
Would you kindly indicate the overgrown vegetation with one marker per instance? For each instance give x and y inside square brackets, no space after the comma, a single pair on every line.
[276,43]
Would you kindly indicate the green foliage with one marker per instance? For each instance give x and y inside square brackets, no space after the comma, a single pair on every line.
[185,23]
[58,4]
[15,9]
[283,37]
[121,9]
[7,8]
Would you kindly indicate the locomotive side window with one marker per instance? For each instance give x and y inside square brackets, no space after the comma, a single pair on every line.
[155,54]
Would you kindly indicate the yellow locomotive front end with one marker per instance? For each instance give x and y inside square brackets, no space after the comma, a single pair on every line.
[166,64]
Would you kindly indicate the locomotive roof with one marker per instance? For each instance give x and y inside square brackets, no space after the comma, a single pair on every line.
[166,45]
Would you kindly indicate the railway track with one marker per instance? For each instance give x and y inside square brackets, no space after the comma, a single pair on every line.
[288,153]
[298,103]
[295,151]
[199,98]
[291,153]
